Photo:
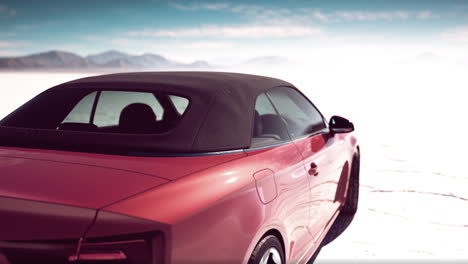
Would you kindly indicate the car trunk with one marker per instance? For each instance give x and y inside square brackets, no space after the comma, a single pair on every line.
[165,166]
[48,194]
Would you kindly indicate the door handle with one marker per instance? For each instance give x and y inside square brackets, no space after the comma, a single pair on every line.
[313,171]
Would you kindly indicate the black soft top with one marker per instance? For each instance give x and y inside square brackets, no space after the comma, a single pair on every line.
[220,114]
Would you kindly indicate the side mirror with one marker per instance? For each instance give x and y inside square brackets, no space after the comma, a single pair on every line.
[339,124]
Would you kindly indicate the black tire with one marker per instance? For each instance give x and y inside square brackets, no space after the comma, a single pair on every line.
[352,196]
[263,246]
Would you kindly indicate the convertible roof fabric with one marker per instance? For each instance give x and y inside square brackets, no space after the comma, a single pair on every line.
[220,115]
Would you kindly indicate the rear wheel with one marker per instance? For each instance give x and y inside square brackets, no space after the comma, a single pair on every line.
[352,196]
[268,251]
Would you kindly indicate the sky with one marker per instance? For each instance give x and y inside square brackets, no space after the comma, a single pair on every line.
[222,30]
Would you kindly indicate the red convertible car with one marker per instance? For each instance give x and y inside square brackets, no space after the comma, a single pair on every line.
[172,167]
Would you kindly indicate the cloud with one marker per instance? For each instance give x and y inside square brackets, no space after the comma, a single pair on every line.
[200,6]
[427,15]
[321,16]
[261,13]
[7,34]
[242,31]
[132,42]
[362,16]
[12,44]
[204,45]
[311,16]
[251,11]
[5,11]
[26,27]
[7,48]
[456,35]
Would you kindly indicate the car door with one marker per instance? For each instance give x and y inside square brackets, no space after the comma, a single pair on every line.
[308,130]
[274,155]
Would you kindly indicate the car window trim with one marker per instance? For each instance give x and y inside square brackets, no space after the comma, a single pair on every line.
[268,146]
[324,130]
[95,103]
[204,154]
[172,155]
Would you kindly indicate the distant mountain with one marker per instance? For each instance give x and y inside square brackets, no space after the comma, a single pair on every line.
[199,64]
[114,60]
[146,60]
[107,60]
[105,57]
[267,60]
[51,59]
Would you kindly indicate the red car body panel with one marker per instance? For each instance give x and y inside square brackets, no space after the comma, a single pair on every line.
[25,220]
[164,167]
[322,151]
[69,183]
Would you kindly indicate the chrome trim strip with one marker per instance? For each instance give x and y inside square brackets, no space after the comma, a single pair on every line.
[169,155]
[324,130]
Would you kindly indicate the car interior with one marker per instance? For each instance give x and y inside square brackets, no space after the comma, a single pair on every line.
[134,118]
[268,129]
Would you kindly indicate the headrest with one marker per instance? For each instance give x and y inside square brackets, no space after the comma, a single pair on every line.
[272,124]
[257,126]
[137,118]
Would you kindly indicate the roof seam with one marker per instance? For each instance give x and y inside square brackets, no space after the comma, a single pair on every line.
[202,123]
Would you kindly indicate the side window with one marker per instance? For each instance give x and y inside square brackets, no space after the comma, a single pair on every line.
[180,103]
[301,116]
[81,113]
[112,103]
[268,128]
[263,106]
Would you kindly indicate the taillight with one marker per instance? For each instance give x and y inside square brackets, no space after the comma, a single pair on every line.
[119,250]
[28,252]
[99,256]
[146,248]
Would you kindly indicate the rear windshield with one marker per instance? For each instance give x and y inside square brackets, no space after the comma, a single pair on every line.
[101,111]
